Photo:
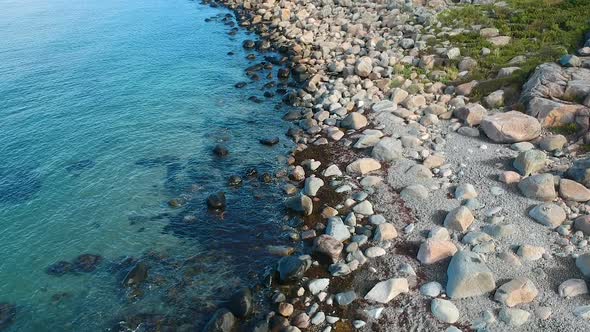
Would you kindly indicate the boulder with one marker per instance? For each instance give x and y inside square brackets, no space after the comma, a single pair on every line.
[468,276]
[540,187]
[327,246]
[363,166]
[354,120]
[510,127]
[300,203]
[529,162]
[516,291]
[548,214]
[459,219]
[573,191]
[472,114]
[222,321]
[293,268]
[433,250]
[580,171]
[387,149]
[240,303]
[387,290]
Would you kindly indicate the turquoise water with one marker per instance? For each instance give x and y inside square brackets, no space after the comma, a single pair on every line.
[108,110]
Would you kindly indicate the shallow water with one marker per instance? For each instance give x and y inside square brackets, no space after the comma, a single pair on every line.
[108,110]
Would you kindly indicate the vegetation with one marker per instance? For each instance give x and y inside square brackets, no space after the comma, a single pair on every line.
[566,129]
[541,30]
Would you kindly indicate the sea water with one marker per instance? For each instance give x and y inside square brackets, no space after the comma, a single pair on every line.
[108,110]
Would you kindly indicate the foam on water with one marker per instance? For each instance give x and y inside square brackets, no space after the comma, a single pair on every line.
[108,109]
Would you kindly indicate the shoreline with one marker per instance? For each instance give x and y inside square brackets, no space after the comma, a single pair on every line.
[411,195]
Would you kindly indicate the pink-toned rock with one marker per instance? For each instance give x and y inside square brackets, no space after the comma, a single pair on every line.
[511,127]
[509,177]
[432,251]
[572,191]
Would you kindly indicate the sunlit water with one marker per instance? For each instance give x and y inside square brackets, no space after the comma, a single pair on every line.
[109,109]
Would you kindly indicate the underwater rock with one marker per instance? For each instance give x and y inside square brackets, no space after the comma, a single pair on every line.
[222,321]
[7,314]
[240,304]
[266,178]
[235,181]
[293,268]
[86,262]
[248,44]
[80,166]
[18,185]
[269,141]
[159,161]
[216,201]
[240,85]
[220,151]
[137,275]
[60,268]
[283,73]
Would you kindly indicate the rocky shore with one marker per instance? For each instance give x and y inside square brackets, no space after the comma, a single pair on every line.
[422,206]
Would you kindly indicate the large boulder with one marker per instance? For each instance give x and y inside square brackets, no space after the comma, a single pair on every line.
[222,321]
[540,187]
[580,171]
[292,268]
[510,127]
[468,276]
[327,246]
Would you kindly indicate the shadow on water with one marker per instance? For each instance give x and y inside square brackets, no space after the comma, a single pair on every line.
[18,185]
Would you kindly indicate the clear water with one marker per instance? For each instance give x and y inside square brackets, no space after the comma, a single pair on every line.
[109,109]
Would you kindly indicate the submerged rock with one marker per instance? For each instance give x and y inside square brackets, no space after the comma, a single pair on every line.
[216,201]
[240,303]
[60,268]
[292,268]
[269,141]
[137,275]
[235,181]
[86,262]
[222,321]
[7,314]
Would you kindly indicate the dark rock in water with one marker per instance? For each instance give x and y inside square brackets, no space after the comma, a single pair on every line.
[86,262]
[18,185]
[251,56]
[255,77]
[80,166]
[220,151]
[58,298]
[278,323]
[293,268]
[230,53]
[269,85]
[137,275]
[269,140]
[235,181]
[283,73]
[255,99]
[222,321]
[60,268]
[267,65]
[251,172]
[292,115]
[216,201]
[300,73]
[281,91]
[240,304]
[260,326]
[240,85]
[269,76]
[266,178]
[294,132]
[7,314]
[248,44]
[176,202]
[268,94]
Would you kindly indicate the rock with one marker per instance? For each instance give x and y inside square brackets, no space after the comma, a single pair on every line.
[332,170]
[465,191]
[432,289]
[216,201]
[499,41]
[573,191]
[582,312]
[516,291]
[327,246]
[240,304]
[269,141]
[235,181]
[337,229]
[459,219]
[467,64]
[444,310]
[468,131]
[453,53]
[86,263]
[137,275]
[513,317]
[573,287]
[583,264]
[580,171]
[507,72]
[363,166]
[387,149]
[318,285]
[364,66]
[354,120]
[570,60]
[529,162]
[489,32]
[220,151]
[415,191]
[345,298]
[384,106]
[465,89]
[530,253]
[540,187]
[222,321]
[301,321]
[292,268]
[522,146]
[510,127]
[472,114]
[468,276]
[7,315]
[495,99]
[298,173]
[553,142]
[285,309]
[432,251]
[387,290]
[385,232]
[582,224]
[509,177]
[374,252]
[364,208]
[300,203]
[434,161]
[60,268]
[312,185]
[548,214]
[319,318]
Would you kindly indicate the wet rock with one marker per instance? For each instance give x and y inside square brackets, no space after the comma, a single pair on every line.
[285,309]
[300,203]
[328,246]
[269,141]
[86,262]
[345,298]
[540,187]
[222,321]
[283,73]
[60,268]
[292,268]
[301,321]
[7,315]
[516,291]
[220,151]
[240,85]
[468,276]
[216,201]
[240,304]
[511,127]
[235,181]
[137,275]
[387,290]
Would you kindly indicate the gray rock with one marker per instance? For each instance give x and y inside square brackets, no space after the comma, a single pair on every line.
[540,187]
[513,316]
[459,219]
[472,114]
[354,120]
[312,185]
[387,149]
[511,127]
[548,214]
[292,268]
[468,276]
[516,291]
[222,321]
[553,142]
[580,171]
[318,285]
[328,246]
[337,229]
[432,289]
[444,310]
[345,298]
[300,203]
[583,264]
[529,162]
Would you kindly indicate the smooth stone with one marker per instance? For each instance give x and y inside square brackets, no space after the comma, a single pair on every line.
[318,285]
[468,276]
[444,310]
[387,149]
[345,298]
[465,191]
[572,287]
[432,251]
[312,185]
[292,268]
[583,264]
[387,290]
[337,229]
[511,127]
[328,246]
[432,289]
[513,316]
[529,162]
[540,187]
[363,166]
[364,208]
[240,303]
[459,219]
[573,191]
[300,203]
[222,321]
[548,214]
[415,191]
[374,252]
[516,291]
[385,232]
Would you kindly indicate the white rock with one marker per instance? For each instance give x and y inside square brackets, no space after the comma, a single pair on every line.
[387,290]
[444,310]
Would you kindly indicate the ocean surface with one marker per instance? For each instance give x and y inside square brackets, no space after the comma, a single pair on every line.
[108,111]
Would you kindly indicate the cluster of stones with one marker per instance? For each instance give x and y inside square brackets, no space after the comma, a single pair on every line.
[344,53]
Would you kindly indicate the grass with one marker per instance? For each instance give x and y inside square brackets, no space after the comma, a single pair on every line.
[566,129]
[541,30]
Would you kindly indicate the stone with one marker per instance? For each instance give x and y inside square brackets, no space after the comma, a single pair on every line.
[318,318]
[387,149]
[364,66]
[573,191]
[495,99]
[285,309]
[354,120]
[570,60]
[465,191]
[507,72]
[432,289]
[516,291]
[444,310]
[468,276]
[582,224]
[312,185]
[530,253]
[529,162]
[364,208]
[472,114]
[489,32]
[363,166]
[540,187]
[216,201]
[292,268]
[467,64]
[434,161]
[318,285]
[337,229]
[509,177]
[580,171]
[513,316]
[374,252]
[553,142]
[269,141]
[511,127]
[432,251]
[548,214]
[385,232]
[384,106]
[582,312]
[332,170]
[415,191]
[222,321]
[459,219]
[327,246]
[300,203]
[345,298]
[572,287]
[499,41]
[583,264]
[240,303]
[387,290]
[302,321]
